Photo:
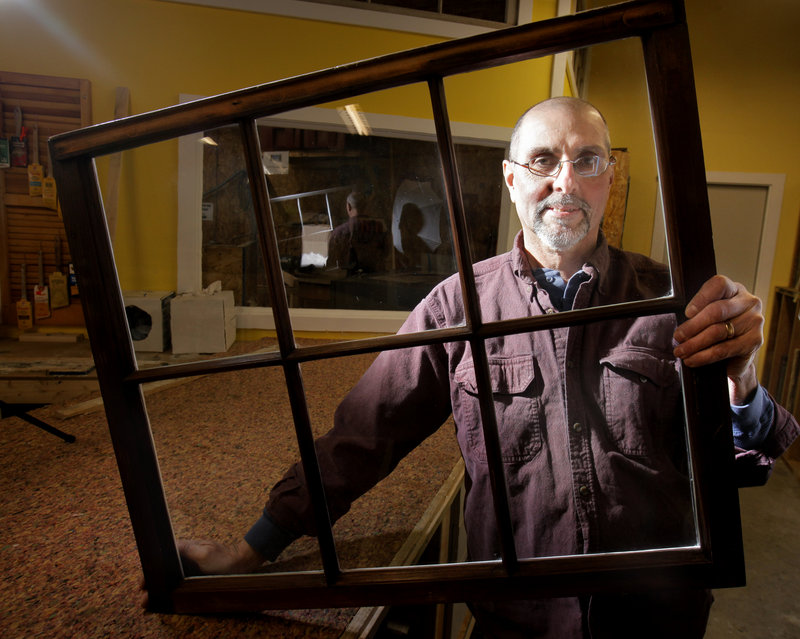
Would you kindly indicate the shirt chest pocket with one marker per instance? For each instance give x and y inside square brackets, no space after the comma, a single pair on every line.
[516,404]
[641,391]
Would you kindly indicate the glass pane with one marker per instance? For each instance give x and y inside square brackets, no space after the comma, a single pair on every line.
[590,417]
[173,317]
[619,201]
[379,526]
[592,439]
[231,252]
[222,439]
[361,219]
[482,193]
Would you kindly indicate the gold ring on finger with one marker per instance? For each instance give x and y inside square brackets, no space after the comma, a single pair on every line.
[729,330]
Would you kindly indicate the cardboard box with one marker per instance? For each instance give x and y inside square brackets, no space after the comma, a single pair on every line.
[148,319]
[203,322]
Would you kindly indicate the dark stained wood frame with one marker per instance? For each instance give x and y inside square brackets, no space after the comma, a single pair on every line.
[716,560]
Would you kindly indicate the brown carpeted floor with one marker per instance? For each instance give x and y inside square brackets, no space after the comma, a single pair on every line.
[67,554]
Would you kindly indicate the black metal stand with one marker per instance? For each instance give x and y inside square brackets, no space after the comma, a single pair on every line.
[21,411]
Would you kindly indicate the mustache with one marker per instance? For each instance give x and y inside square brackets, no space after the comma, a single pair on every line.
[562,200]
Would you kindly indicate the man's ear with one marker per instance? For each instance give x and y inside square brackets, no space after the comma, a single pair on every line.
[508,178]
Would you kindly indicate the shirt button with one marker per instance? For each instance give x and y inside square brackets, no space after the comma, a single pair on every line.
[577,427]
[584,492]
[550,311]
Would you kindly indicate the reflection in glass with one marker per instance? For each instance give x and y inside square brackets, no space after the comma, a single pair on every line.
[231,253]
[361,220]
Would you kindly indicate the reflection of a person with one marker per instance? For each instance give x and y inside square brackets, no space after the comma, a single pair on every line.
[414,247]
[589,416]
[359,244]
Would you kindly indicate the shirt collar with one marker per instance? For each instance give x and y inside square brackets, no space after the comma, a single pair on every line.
[596,265]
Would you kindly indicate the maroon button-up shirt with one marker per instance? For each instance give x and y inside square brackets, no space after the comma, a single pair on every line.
[590,422]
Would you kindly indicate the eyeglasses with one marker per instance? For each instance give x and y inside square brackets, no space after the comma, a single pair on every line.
[585,166]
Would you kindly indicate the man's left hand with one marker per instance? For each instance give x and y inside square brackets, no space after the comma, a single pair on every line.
[724,323]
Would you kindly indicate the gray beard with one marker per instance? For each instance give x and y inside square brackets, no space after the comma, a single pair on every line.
[556,235]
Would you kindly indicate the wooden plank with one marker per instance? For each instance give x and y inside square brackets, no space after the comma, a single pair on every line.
[775,349]
[32,80]
[121,110]
[365,622]
[124,402]
[49,337]
[50,123]
[41,94]
[789,343]
[16,177]
[6,293]
[23,200]
[614,216]
[45,391]
[96,403]
[467,626]
[488,420]
[673,100]
[33,109]
[70,367]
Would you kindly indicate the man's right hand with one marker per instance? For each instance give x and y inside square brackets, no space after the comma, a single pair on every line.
[201,557]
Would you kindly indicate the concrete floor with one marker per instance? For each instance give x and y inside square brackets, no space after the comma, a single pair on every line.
[769,606]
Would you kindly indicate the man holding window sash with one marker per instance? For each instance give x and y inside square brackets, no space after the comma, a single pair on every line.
[590,417]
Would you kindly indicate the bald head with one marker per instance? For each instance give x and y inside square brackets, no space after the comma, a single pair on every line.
[560,212]
[566,105]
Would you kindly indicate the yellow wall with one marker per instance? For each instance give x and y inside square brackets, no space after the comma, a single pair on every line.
[160,50]
[744,53]
[748,84]
[617,86]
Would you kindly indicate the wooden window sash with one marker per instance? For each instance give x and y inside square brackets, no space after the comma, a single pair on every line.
[716,559]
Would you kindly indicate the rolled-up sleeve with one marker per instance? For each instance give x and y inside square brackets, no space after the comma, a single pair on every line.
[753,464]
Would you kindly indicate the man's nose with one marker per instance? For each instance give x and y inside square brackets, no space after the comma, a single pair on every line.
[565,181]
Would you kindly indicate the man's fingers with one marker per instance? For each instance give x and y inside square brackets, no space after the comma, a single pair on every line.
[735,340]
[144,599]
[742,309]
[708,345]
[716,288]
